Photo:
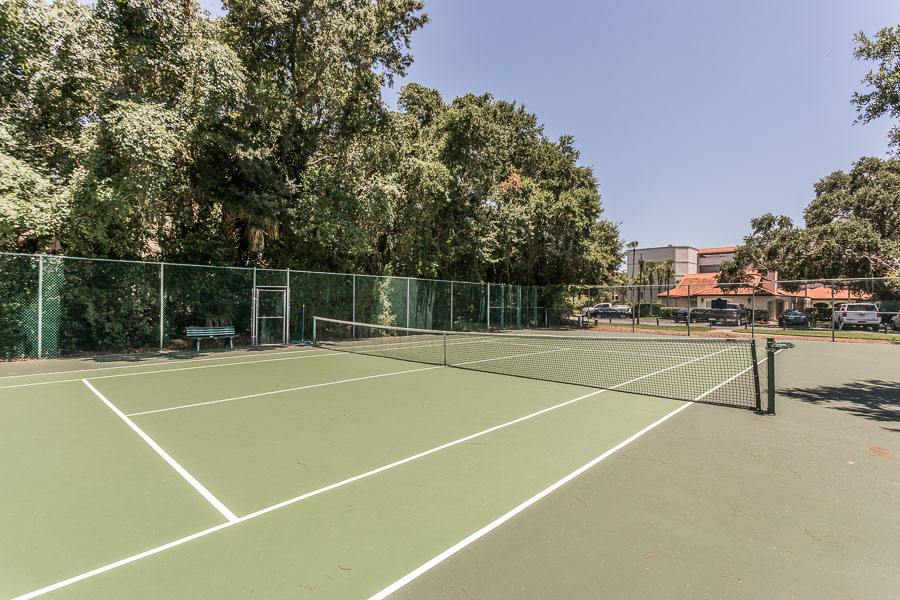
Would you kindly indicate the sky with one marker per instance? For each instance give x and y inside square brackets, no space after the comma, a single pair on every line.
[696,115]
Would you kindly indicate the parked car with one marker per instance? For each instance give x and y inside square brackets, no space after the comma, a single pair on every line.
[895,322]
[858,315]
[603,309]
[697,314]
[793,317]
[623,310]
[727,313]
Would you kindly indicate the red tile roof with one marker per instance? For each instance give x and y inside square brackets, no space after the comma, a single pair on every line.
[717,250]
[705,284]
[823,292]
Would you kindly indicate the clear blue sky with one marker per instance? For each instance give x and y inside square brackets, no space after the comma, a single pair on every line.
[695,115]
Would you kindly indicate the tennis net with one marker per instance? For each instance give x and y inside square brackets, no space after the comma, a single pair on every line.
[713,370]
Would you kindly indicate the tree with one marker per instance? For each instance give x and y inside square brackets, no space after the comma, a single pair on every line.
[147,129]
[884,99]
[852,230]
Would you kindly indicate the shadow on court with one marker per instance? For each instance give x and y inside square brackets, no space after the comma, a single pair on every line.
[874,399]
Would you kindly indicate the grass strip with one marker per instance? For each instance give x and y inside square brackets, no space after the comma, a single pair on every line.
[852,335]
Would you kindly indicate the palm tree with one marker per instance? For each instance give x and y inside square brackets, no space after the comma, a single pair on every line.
[669,265]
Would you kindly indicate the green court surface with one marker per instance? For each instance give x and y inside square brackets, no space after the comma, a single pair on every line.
[302,472]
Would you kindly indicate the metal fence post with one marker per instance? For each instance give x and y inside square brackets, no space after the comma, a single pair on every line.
[40,315]
[287,306]
[488,305]
[407,301]
[688,319]
[254,334]
[353,311]
[832,311]
[753,313]
[451,306]
[519,307]
[162,301]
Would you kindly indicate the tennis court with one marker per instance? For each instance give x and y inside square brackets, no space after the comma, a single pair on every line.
[338,471]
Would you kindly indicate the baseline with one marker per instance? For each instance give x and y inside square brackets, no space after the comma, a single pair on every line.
[232,364]
[151,364]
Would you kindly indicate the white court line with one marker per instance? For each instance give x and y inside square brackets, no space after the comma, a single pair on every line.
[534,499]
[509,515]
[151,364]
[232,518]
[233,364]
[294,389]
[205,532]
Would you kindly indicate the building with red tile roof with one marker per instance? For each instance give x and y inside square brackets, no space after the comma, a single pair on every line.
[698,290]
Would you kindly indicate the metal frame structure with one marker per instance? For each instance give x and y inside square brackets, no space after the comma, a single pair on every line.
[256,317]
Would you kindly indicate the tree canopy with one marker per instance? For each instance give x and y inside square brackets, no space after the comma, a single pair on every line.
[852,226]
[883,97]
[852,229]
[147,129]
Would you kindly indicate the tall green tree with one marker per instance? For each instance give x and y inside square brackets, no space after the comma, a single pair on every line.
[147,129]
[883,81]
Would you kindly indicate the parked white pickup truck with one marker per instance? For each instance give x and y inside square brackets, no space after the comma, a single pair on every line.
[857,315]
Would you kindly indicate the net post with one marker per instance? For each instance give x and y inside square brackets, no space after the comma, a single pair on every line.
[445,349]
[162,301]
[755,374]
[770,356]
[314,343]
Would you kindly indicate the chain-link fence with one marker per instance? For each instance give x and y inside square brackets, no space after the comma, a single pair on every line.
[56,306]
[836,309]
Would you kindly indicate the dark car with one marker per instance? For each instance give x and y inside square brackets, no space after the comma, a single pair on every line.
[793,317]
[697,314]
